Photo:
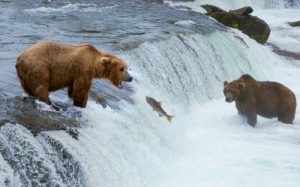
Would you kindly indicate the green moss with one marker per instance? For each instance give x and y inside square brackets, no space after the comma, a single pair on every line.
[262,38]
[252,26]
[214,15]
[266,35]
[234,25]
[226,19]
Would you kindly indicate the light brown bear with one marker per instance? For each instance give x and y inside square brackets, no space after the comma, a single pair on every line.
[50,66]
[268,99]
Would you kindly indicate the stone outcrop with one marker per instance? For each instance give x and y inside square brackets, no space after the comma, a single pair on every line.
[241,19]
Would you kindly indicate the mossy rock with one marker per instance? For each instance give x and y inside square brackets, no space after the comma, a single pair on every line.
[250,25]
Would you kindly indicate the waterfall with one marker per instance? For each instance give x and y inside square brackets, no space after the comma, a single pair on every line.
[207,141]
[235,4]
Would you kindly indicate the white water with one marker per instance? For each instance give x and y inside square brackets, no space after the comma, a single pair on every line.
[76,7]
[282,35]
[6,173]
[234,4]
[207,144]
[277,13]
[219,148]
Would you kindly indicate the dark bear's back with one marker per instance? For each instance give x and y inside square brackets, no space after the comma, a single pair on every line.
[273,98]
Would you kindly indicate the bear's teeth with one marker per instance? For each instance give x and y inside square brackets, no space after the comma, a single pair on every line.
[120,84]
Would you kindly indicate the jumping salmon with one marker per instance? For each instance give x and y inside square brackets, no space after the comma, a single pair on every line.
[156,106]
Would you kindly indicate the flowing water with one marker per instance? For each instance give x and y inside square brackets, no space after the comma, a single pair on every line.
[178,56]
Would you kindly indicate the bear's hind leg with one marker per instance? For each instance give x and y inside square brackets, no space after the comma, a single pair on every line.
[41,92]
[287,113]
[39,84]
[26,89]
[286,118]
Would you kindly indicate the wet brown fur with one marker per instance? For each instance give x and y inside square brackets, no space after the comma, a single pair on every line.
[267,99]
[50,66]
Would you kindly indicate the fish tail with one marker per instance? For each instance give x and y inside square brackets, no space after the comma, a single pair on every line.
[169,118]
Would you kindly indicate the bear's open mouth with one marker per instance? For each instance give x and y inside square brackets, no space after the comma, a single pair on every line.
[120,84]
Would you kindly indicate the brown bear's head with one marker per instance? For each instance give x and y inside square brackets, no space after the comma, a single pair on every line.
[233,90]
[114,69]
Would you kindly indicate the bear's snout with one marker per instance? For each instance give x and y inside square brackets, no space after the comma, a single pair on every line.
[127,77]
[228,97]
[130,79]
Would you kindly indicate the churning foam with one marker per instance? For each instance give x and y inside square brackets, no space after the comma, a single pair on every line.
[208,143]
[76,7]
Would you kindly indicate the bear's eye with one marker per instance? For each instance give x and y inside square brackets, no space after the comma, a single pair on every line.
[122,69]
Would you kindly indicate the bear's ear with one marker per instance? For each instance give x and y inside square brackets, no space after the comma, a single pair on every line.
[106,60]
[225,83]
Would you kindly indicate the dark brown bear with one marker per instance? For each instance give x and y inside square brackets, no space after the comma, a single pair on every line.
[50,66]
[267,99]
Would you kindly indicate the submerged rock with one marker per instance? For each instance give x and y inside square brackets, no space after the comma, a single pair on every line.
[295,24]
[157,1]
[288,54]
[240,19]
[285,53]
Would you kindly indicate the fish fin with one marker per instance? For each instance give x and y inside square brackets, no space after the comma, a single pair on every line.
[169,118]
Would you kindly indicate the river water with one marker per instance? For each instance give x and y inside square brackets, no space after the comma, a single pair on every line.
[176,55]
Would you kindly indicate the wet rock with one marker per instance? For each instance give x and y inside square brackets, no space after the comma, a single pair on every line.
[210,9]
[242,11]
[285,53]
[240,19]
[295,24]
[24,111]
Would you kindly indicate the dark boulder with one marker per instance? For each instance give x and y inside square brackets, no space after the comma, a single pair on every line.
[210,9]
[240,19]
[295,24]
